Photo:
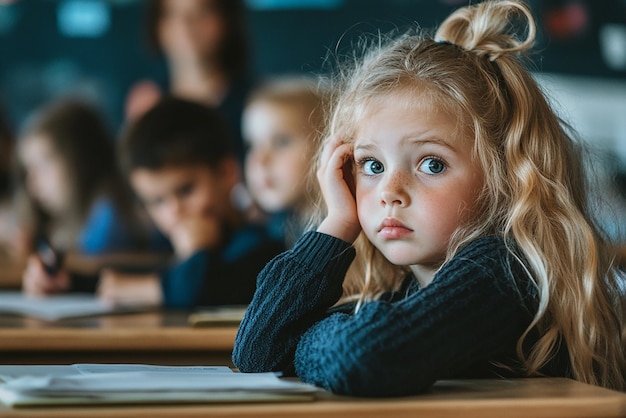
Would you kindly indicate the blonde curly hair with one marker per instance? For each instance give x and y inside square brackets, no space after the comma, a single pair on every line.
[535,192]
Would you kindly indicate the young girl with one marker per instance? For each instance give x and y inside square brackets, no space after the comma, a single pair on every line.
[467,208]
[68,181]
[282,122]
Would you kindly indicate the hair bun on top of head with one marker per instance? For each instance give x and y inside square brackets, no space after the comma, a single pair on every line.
[491,28]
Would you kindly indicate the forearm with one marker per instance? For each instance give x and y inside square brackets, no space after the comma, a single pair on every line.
[293,292]
[472,313]
[386,351]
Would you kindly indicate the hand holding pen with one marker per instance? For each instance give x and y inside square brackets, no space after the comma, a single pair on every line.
[44,273]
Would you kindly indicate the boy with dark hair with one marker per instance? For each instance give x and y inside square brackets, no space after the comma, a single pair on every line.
[180,162]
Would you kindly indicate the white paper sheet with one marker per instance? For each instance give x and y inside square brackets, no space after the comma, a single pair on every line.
[57,307]
[128,382]
[138,383]
[11,372]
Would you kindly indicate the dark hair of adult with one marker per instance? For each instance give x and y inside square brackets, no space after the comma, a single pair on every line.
[233,53]
[176,132]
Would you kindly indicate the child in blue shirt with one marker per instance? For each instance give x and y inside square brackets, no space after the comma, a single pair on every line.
[70,194]
[180,161]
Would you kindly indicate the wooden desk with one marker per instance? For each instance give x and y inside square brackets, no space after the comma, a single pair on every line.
[11,270]
[152,338]
[527,398]
[11,273]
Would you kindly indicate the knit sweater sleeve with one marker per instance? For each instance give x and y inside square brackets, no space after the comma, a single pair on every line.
[294,290]
[474,309]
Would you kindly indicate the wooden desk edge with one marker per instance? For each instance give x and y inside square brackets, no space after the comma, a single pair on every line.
[568,399]
[75,339]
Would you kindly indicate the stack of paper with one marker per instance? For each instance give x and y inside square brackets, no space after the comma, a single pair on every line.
[218,315]
[55,307]
[120,384]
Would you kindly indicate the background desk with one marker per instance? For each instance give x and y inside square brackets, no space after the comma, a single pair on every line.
[152,338]
[527,398]
[11,272]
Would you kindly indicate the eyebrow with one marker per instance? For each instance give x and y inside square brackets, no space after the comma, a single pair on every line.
[431,140]
[413,139]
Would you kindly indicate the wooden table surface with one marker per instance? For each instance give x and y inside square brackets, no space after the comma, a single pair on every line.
[528,398]
[154,338]
[11,269]
[11,273]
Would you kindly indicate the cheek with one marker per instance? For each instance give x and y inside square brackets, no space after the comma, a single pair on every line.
[293,168]
[56,177]
[294,161]
[162,217]
[168,34]
[52,180]
[202,200]
[210,31]
[253,167]
[363,197]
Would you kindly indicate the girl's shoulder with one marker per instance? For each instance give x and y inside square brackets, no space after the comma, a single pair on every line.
[491,258]
[490,248]
[487,241]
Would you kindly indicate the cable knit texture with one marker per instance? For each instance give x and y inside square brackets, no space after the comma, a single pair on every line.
[468,319]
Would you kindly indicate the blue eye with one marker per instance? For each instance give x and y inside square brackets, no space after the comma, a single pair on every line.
[432,166]
[373,167]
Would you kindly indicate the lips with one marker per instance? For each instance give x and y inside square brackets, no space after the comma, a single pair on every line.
[392,228]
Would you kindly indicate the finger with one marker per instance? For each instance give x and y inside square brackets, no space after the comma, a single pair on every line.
[329,148]
[103,285]
[106,294]
[106,288]
[34,280]
[338,159]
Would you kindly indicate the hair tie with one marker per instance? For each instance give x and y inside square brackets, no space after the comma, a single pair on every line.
[446,42]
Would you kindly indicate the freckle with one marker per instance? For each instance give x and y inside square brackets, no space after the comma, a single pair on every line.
[397,181]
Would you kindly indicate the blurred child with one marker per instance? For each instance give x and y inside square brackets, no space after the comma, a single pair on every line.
[12,243]
[282,123]
[180,162]
[204,43]
[69,184]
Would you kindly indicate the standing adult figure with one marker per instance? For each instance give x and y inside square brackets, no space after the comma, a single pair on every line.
[204,43]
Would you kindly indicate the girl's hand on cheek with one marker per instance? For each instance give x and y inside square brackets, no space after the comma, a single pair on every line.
[337,185]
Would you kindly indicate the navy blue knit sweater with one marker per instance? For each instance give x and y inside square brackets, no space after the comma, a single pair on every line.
[221,276]
[468,318]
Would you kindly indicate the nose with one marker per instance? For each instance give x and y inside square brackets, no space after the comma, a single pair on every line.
[264,156]
[393,191]
[261,156]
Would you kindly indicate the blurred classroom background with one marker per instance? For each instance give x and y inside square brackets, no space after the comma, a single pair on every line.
[97,49]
